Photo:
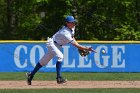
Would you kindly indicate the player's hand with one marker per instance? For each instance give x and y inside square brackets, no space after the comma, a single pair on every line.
[91,49]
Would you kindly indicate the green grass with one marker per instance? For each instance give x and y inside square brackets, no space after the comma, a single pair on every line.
[113,90]
[73,76]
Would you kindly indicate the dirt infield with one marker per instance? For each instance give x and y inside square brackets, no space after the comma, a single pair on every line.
[69,84]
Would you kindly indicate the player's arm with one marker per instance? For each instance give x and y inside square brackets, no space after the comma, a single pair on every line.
[76,44]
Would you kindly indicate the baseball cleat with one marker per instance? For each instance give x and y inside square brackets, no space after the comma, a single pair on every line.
[28,77]
[61,80]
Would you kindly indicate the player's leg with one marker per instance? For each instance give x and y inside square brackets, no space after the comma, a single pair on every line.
[59,77]
[44,60]
[54,50]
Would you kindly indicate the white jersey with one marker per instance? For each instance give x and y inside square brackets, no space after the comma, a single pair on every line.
[64,36]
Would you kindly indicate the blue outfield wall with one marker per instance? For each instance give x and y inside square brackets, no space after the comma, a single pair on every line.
[120,57]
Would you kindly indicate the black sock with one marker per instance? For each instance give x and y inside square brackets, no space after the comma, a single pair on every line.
[58,68]
[37,67]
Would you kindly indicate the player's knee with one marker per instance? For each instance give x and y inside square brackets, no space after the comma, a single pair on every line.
[60,58]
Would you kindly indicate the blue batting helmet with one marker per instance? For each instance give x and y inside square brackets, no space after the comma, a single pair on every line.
[70,19]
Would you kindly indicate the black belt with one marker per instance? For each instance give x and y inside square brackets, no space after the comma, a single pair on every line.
[57,43]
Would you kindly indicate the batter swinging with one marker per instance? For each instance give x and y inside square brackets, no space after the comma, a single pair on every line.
[64,36]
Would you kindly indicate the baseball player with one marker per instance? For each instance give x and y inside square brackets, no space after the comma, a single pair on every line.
[64,36]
